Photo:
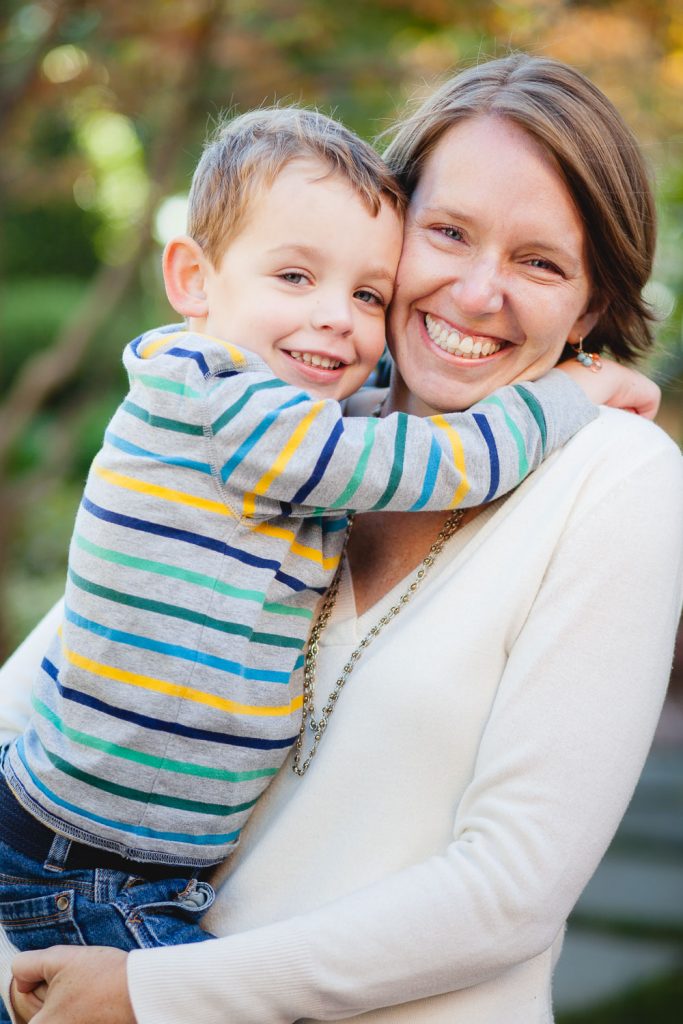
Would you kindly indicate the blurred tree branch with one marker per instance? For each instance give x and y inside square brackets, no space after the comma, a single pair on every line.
[49,370]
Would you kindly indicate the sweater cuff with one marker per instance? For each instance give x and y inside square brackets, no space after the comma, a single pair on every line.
[566,405]
[265,975]
[7,954]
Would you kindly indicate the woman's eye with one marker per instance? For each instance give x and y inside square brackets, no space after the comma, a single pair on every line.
[538,263]
[450,232]
[371,298]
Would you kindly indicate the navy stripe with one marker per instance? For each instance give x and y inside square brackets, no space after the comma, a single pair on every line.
[176,728]
[321,465]
[185,353]
[487,434]
[198,539]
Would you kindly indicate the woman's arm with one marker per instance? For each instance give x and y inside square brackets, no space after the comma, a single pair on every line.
[20,670]
[562,751]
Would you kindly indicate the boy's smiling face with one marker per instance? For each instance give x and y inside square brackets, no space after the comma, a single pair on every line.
[306,281]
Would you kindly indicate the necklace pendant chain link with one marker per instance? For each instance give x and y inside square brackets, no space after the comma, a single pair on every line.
[309,721]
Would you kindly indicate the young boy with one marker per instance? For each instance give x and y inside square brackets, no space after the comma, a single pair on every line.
[212,521]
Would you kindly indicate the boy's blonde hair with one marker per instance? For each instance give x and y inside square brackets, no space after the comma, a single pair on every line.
[246,153]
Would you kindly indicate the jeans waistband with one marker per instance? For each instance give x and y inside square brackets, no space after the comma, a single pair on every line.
[25,833]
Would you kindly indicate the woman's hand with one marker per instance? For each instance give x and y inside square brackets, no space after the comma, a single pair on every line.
[85,985]
[616,385]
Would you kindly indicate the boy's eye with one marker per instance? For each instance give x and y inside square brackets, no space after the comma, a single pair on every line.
[294,277]
[372,298]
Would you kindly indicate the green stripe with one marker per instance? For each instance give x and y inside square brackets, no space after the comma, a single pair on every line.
[516,434]
[397,467]
[188,614]
[181,767]
[175,572]
[359,472]
[162,421]
[536,410]
[140,796]
[163,384]
[242,401]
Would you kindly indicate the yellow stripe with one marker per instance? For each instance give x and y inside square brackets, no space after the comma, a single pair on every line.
[165,493]
[283,458]
[153,346]
[458,457]
[176,690]
[312,554]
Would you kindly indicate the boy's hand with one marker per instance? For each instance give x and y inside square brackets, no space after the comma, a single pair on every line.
[616,385]
[85,985]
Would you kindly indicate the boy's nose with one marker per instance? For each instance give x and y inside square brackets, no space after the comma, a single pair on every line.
[333,314]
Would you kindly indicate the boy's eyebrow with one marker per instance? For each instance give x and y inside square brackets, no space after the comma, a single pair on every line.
[309,252]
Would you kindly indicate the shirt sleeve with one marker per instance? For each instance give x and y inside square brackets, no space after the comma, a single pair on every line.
[275,445]
[562,750]
[19,673]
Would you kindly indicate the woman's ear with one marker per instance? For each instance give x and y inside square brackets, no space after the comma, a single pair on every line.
[585,324]
[184,267]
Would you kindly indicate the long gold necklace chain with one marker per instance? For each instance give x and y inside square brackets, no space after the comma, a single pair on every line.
[318,725]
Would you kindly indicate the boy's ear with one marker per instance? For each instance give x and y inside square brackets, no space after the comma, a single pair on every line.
[184,268]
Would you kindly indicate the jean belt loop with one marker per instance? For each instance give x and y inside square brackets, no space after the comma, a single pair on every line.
[59,852]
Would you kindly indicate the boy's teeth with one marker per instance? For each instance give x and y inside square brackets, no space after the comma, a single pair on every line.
[456,343]
[315,360]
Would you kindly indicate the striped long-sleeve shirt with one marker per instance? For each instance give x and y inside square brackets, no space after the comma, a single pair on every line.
[212,520]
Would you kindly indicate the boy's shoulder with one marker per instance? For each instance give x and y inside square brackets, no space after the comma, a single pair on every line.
[173,349]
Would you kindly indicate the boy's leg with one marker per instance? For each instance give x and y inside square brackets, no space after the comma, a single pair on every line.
[47,904]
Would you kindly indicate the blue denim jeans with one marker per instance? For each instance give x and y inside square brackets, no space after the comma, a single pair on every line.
[43,904]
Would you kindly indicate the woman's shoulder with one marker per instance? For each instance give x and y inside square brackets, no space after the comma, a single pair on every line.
[615,429]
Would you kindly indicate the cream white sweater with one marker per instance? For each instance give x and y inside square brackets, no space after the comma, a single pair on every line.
[477,765]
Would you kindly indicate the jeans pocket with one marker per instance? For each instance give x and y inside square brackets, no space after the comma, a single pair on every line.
[169,913]
[33,922]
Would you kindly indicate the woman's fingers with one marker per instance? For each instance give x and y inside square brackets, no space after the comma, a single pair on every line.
[70,996]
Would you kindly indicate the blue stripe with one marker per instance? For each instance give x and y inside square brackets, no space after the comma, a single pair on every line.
[123,826]
[176,651]
[237,406]
[158,725]
[198,539]
[170,460]
[431,473]
[185,353]
[321,465]
[334,525]
[256,434]
[487,434]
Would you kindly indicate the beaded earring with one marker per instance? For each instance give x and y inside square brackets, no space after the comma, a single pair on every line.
[591,360]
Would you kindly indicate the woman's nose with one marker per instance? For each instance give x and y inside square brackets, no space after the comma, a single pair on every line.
[479,288]
[333,313]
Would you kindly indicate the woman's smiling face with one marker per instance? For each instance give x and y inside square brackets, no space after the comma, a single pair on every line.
[493,277]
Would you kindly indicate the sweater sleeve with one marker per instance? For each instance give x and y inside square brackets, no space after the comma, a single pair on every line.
[18,673]
[562,750]
[277,445]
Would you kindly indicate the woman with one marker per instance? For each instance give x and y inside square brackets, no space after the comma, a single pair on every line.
[478,753]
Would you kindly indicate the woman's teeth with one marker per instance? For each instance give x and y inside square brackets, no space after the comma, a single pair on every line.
[458,344]
[314,360]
